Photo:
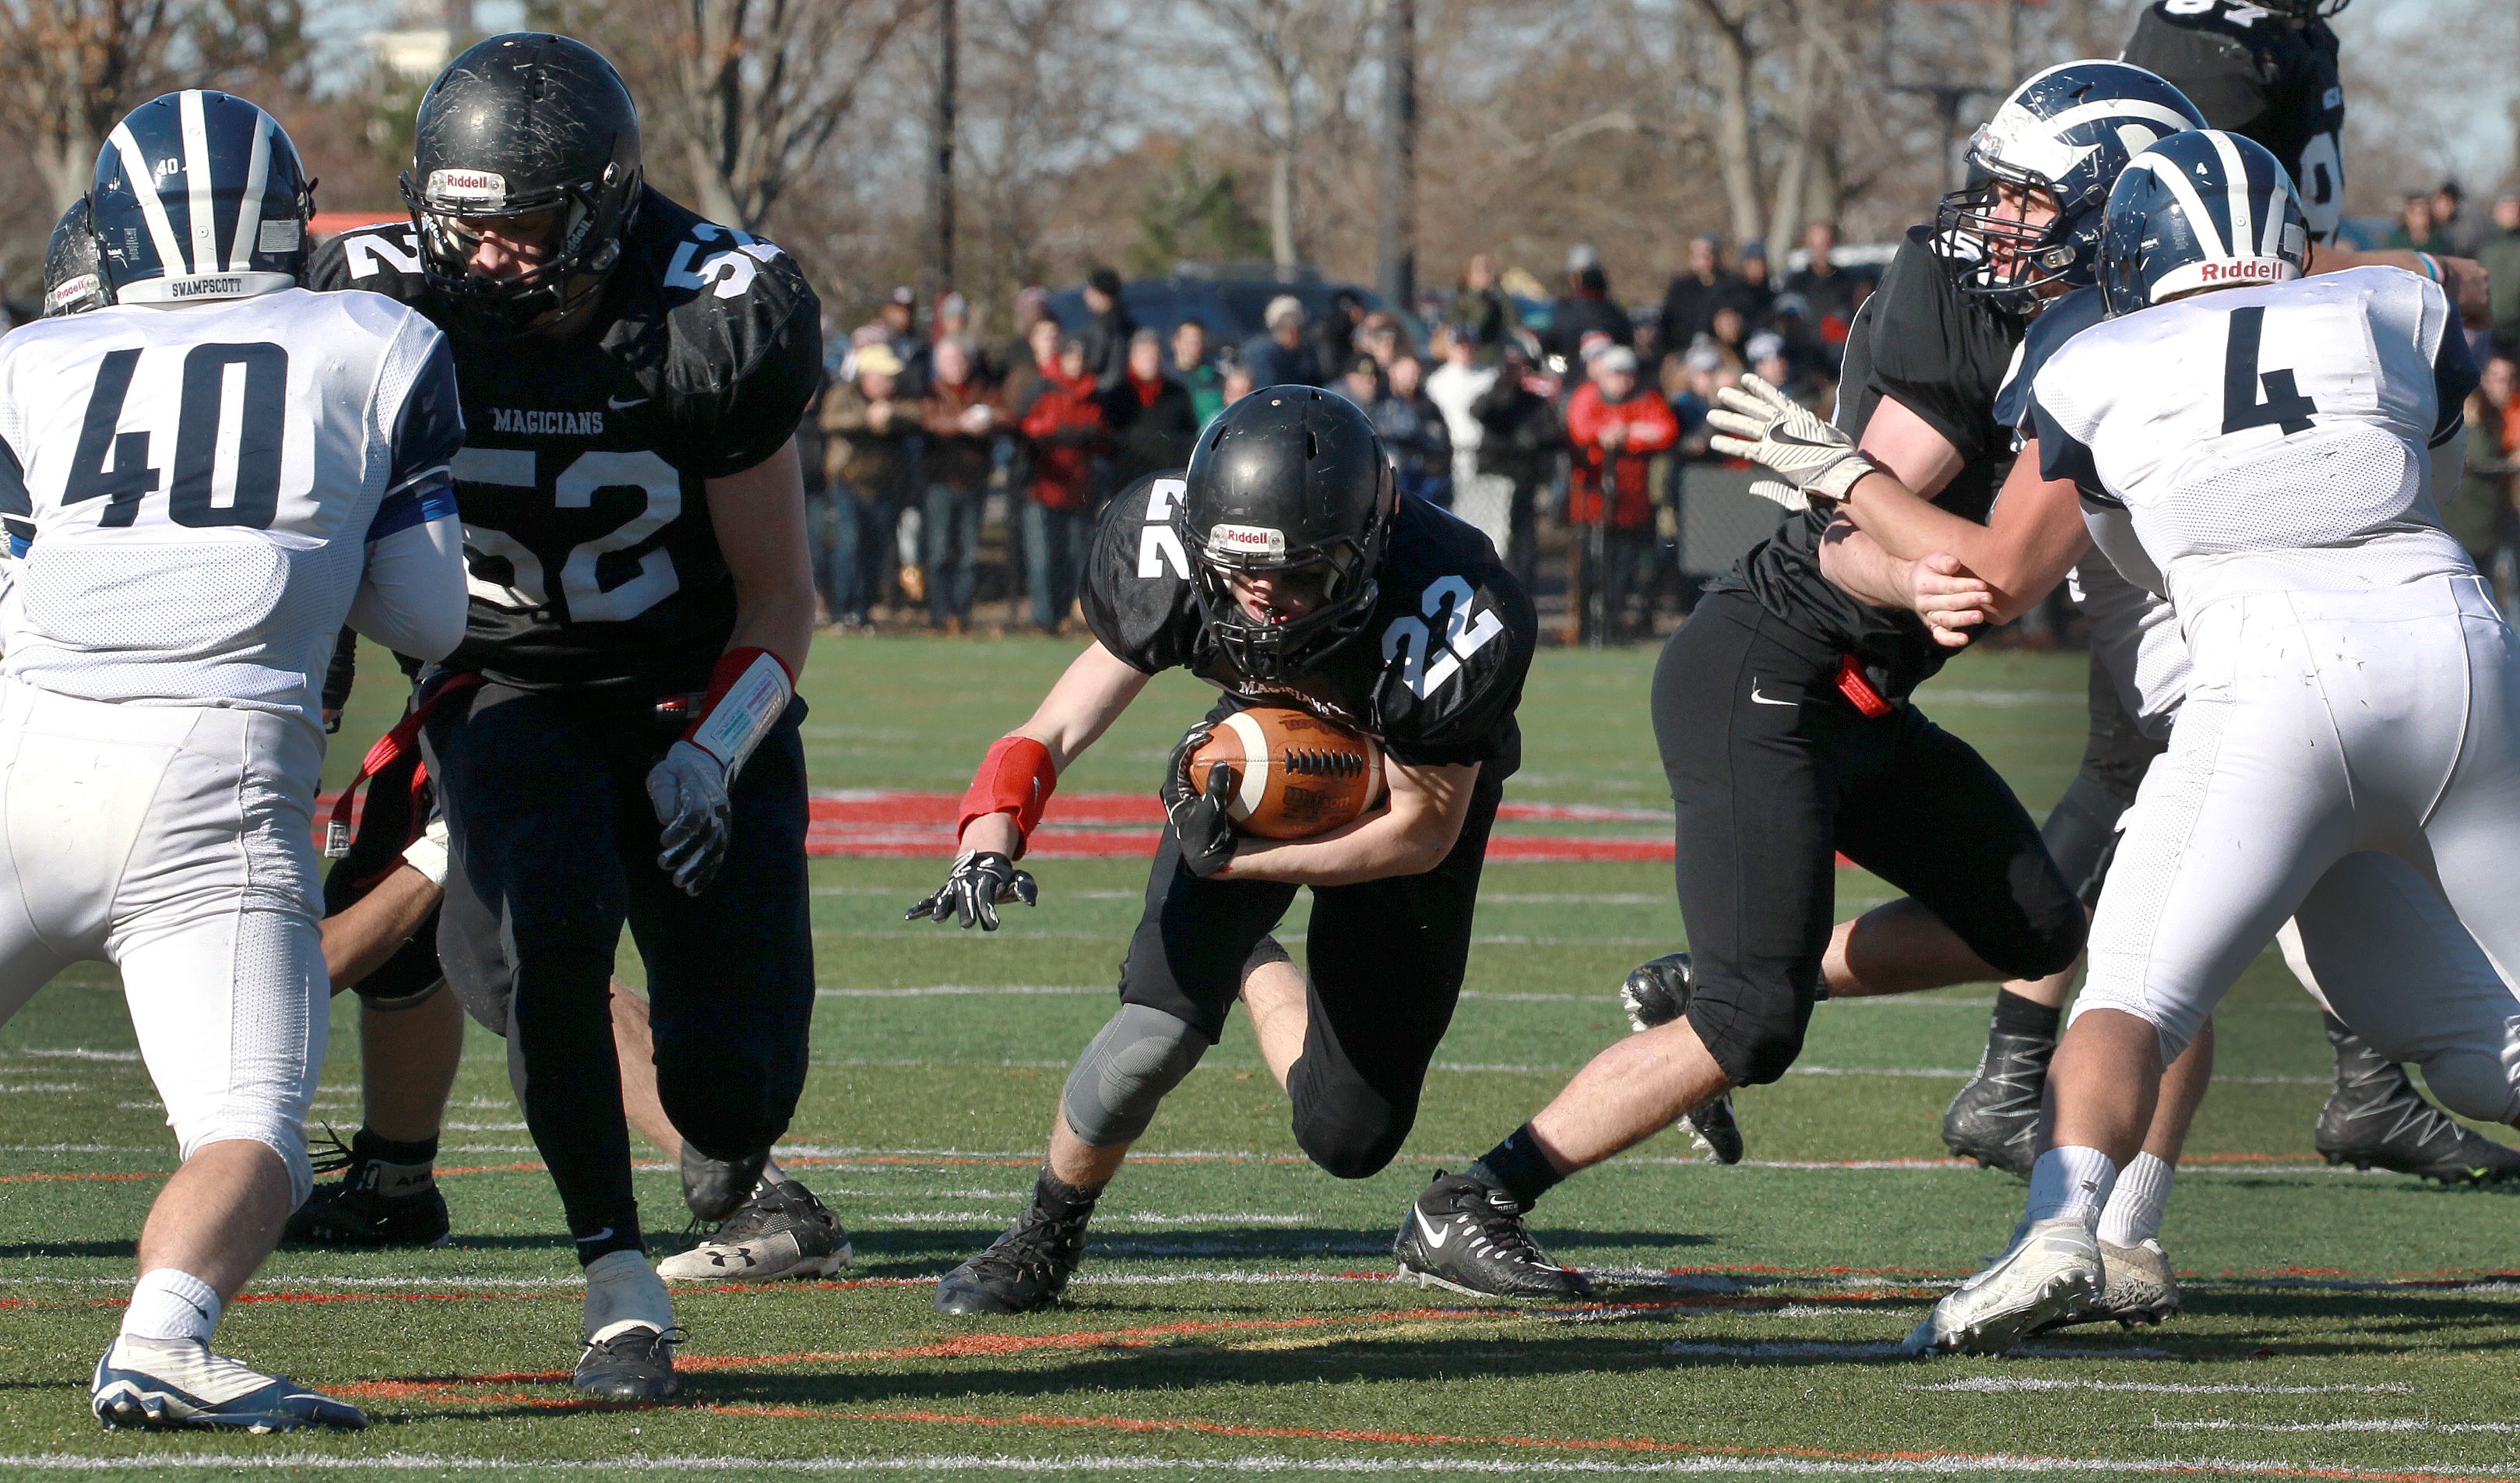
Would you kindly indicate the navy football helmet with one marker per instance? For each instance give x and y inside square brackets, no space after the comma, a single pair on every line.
[2205,209]
[2066,132]
[199,195]
[73,282]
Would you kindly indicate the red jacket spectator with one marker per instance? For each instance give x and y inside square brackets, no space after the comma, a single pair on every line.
[1067,430]
[1645,427]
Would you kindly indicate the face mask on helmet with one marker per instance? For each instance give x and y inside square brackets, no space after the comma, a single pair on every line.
[2004,238]
[1273,616]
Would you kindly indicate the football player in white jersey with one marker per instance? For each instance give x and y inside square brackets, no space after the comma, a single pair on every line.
[201,483]
[2284,505]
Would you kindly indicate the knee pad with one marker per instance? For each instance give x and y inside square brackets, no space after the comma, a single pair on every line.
[2474,1081]
[1351,1137]
[1754,1035]
[2054,925]
[1137,1058]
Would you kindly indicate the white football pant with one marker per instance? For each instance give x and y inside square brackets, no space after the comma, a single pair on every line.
[2319,725]
[173,842]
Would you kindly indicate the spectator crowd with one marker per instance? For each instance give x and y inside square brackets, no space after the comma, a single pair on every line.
[956,470]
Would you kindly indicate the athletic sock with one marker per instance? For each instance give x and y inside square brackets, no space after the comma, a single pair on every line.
[402,1168]
[169,1303]
[1518,1167]
[2016,1014]
[2070,1183]
[1059,1200]
[2132,1215]
[622,1291]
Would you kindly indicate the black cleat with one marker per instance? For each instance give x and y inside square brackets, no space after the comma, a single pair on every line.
[1023,1270]
[2376,1119]
[633,1363]
[372,1205]
[1468,1236]
[715,1189]
[1657,993]
[1995,1118]
[782,1231]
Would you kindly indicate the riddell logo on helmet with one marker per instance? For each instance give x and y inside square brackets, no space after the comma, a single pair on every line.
[471,188]
[2256,271]
[1245,541]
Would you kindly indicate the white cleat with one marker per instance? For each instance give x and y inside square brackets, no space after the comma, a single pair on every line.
[2052,1275]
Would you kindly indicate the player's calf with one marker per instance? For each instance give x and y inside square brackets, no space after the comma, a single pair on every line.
[1657,993]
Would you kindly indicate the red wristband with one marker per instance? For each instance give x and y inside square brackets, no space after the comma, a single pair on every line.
[1857,687]
[1016,778]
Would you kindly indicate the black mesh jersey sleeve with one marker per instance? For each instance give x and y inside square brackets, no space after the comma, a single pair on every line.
[1137,597]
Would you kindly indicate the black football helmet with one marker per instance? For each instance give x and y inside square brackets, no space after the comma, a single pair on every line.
[1293,481]
[74,279]
[539,132]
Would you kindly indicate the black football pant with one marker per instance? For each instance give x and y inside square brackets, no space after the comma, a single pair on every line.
[1385,958]
[1773,772]
[555,848]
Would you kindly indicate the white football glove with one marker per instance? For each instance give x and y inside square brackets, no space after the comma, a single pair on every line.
[689,791]
[1799,446]
[1782,493]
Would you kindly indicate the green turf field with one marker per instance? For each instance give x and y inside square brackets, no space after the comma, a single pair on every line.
[1234,1316]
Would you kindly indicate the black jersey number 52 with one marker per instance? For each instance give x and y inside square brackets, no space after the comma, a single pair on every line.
[529,585]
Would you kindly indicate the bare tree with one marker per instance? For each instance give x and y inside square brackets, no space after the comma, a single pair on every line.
[1299,59]
[77,66]
[745,95]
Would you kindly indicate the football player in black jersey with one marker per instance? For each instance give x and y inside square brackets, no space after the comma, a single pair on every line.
[1285,568]
[1781,706]
[2268,69]
[617,739]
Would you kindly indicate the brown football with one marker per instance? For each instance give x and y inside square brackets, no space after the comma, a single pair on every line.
[1297,774]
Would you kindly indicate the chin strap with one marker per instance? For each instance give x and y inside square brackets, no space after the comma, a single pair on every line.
[1015,778]
[748,691]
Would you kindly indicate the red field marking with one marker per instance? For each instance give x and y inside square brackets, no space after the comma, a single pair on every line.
[869,824]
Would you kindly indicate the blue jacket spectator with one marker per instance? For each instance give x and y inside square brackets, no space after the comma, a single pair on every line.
[1279,356]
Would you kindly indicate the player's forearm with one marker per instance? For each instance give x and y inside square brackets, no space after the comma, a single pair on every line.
[1092,691]
[1389,841]
[2465,279]
[361,936]
[780,619]
[1409,837]
[1856,562]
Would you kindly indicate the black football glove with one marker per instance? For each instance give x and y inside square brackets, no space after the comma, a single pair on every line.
[980,882]
[1201,819]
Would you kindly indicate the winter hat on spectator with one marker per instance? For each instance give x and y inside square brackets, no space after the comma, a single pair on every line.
[906,296]
[1593,342]
[1618,360]
[953,306]
[877,359]
[1286,308]
[1703,356]
[1582,258]
[1104,281]
[1764,344]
